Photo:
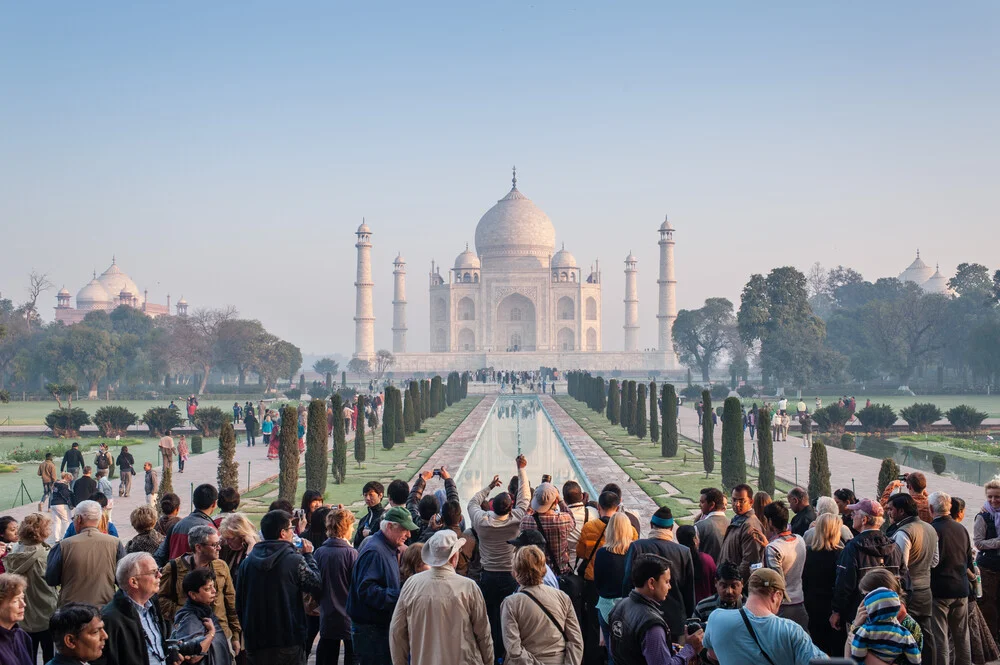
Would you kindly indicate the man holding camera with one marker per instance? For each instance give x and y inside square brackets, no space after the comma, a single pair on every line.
[135,627]
[916,485]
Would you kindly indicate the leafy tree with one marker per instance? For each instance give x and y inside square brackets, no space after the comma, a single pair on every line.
[288,454]
[326,366]
[831,418]
[965,418]
[160,420]
[972,280]
[614,402]
[229,471]
[668,446]
[701,335]
[316,437]
[819,472]
[654,419]
[60,391]
[765,451]
[640,411]
[388,420]
[359,366]
[707,435]
[209,419]
[114,420]
[733,457]
[888,472]
[67,422]
[383,361]
[238,346]
[907,331]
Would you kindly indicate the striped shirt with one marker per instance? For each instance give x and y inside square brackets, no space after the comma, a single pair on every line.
[881,634]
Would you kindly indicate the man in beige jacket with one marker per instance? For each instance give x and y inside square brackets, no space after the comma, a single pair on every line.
[440,616]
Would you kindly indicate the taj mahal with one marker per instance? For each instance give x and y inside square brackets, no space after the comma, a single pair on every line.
[516,303]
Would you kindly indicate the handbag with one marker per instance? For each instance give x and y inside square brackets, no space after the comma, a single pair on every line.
[754,635]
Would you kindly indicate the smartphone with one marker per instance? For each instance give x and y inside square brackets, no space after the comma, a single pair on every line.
[903,476]
[437,472]
[546,478]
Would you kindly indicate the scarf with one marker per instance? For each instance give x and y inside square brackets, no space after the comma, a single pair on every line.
[996,514]
[202,611]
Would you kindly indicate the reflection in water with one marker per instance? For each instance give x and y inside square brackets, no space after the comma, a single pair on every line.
[516,425]
[968,470]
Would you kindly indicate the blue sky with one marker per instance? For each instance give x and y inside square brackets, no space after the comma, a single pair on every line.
[227,151]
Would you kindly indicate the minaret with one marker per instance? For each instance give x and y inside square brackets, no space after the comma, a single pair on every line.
[364,316]
[668,288]
[399,305]
[631,303]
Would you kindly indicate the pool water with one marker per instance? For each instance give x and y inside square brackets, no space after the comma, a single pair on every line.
[517,425]
[968,470]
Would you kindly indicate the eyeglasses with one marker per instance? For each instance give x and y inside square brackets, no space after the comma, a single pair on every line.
[155,573]
[741,501]
[214,546]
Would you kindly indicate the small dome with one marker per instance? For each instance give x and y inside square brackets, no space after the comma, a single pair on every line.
[364,227]
[182,301]
[563,259]
[64,292]
[467,260]
[631,258]
[124,293]
[666,226]
[918,272]
[938,283]
[92,293]
[399,260]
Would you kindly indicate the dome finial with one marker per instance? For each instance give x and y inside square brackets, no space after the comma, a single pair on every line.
[113,260]
[918,253]
[466,246]
[564,245]
[514,178]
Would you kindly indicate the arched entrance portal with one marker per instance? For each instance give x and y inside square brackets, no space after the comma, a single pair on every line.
[515,324]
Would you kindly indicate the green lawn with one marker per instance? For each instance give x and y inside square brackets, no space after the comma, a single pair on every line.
[642,462]
[403,461]
[33,413]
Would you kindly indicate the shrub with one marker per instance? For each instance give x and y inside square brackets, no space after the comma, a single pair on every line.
[888,472]
[339,443]
[198,444]
[765,452]
[831,418]
[114,421]
[209,420]
[316,435]
[746,390]
[734,463]
[964,418]
[707,435]
[67,422]
[161,420]
[720,391]
[938,462]
[359,433]
[292,393]
[654,419]
[877,417]
[288,454]
[388,420]
[920,417]
[847,442]
[668,444]
[691,392]
[819,472]
[229,470]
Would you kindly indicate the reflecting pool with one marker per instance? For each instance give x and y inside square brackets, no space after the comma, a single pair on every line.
[517,425]
[976,471]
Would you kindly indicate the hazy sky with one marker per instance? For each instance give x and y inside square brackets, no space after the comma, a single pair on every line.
[227,151]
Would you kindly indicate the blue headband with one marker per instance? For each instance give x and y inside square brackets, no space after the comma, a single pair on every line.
[662,522]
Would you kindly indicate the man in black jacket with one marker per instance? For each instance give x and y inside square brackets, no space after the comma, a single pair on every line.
[84,487]
[805,514]
[135,627]
[72,461]
[950,584]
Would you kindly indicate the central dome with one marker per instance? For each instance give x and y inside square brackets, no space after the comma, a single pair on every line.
[115,281]
[515,227]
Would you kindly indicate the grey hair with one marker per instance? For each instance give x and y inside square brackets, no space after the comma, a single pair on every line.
[940,503]
[199,534]
[88,510]
[826,504]
[128,567]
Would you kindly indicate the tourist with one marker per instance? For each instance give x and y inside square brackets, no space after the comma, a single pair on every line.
[47,472]
[250,425]
[28,559]
[135,629]
[554,526]
[610,572]
[152,485]
[678,604]
[881,634]
[311,501]
[274,446]
[728,593]
[126,467]
[844,498]
[84,564]
[167,450]
[713,522]
[176,543]
[760,500]
[15,644]
[72,461]
[703,565]
[228,502]
[822,552]
[269,591]
[147,538]
[205,541]
[102,460]
[981,641]
[84,487]
[915,484]
[195,618]
[612,487]
[786,554]
[870,548]
[427,508]
[372,492]
[950,584]
[238,538]
[739,545]
[538,622]
[640,633]
[918,544]
[105,525]
[335,559]
[170,508]
[266,428]
[440,616]
[411,562]
[77,634]
[59,505]
[805,424]
[182,453]
[576,501]
[986,537]
[494,529]
[805,514]
[754,630]
[192,408]
[316,532]
[827,505]
[8,536]
[534,537]
[104,487]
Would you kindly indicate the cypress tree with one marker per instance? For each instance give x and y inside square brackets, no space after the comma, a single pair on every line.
[465,385]
[654,418]
[339,467]
[819,472]
[415,399]
[229,470]
[765,451]
[316,464]
[633,401]
[640,411]
[166,481]
[888,472]
[449,393]
[288,454]
[614,401]
[409,417]
[302,384]
[359,433]
[425,405]
[734,463]
[602,389]
[668,445]
[624,412]
[388,420]
[329,384]
[397,412]
[707,435]
[343,379]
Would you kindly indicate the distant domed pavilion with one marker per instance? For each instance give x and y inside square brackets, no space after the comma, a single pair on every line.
[113,288]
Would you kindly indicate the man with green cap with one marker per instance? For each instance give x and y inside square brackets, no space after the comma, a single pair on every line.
[375,587]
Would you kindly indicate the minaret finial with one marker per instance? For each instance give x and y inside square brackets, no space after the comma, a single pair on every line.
[113,259]
[514,178]
[466,246]
[918,253]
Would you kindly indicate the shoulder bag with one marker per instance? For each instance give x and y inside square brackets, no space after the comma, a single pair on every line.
[582,568]
[549,615]
[746,621]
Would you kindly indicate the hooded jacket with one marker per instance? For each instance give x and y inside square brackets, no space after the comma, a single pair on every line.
[40,598]
[269,591]
[869,549]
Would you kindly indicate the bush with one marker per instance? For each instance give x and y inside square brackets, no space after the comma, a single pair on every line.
[746,390]
[288,454]
[293,393]
[720,391]
[114,421]
[819,472]
[229,470]
[668,444]
[831,418]
[938,462]
[888,472]
[691,392]
[920,417]
[161,420]
[210,419]
[964,418]
[198,444]
[707,435]
[877,417]
[67,422]
[316,434]
[734,462]
[847,442]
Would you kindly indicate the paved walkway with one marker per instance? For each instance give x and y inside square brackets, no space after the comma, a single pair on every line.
[847,469]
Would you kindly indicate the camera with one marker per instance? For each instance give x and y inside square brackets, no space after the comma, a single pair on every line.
[176,649]
[546,478]
[437,472]
[903,477]
[692,626]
